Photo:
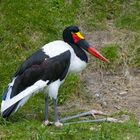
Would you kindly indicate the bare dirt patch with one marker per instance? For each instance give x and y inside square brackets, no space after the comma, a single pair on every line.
[114,93]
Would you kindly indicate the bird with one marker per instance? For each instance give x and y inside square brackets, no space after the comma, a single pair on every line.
[46,69]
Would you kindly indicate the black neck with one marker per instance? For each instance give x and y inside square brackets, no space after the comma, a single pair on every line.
[79,52]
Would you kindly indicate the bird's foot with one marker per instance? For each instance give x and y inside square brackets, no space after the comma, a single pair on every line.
[58,124]
[47,122]
[97,112]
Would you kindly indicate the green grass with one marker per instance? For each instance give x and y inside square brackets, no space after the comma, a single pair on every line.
[71,86]
[22,128]
[130,16]
[124,14]
[111,52]
[26,25]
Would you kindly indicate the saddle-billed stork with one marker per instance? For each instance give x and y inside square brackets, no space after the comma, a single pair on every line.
[46,70]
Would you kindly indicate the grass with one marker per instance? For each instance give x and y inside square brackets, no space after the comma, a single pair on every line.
[124,14]
[23,128]
[25,25]
[111,51]
[129,18]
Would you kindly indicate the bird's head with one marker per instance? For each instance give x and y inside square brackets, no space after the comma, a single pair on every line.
[72,35]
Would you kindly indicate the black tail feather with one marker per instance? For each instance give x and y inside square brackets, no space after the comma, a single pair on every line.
[9,111]
[5,94]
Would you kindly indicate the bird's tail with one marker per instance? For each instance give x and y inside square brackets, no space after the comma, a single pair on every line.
[10,103]
[5,98]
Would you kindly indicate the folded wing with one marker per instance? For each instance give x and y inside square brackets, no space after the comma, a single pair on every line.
[33,75]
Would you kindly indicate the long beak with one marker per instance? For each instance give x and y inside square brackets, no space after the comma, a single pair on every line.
[95,53]
[85,45]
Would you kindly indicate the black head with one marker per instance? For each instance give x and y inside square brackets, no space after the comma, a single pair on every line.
[72,35]
[67,33]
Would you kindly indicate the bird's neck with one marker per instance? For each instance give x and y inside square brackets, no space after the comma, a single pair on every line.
[80,53]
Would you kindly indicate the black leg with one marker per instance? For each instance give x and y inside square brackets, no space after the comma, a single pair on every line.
[92,112]
[46,107]
[46,122]
[56,119]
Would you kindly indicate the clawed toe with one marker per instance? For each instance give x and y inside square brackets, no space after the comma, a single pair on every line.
[47,123]
[58,124]
[97,112]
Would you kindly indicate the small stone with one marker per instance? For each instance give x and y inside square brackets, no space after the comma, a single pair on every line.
[123,93]
[113,89]
[117,107]
[97,95]
[104,104]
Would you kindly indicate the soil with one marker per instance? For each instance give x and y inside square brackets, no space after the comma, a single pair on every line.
[114,93]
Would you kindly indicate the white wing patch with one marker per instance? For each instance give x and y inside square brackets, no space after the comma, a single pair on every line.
[56,48]
[22,95]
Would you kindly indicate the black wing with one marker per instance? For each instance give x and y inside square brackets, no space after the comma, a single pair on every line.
[50,69]
[35,59]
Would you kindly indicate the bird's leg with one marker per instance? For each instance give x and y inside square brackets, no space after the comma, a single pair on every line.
[92,112]
[56,118]
[46,122]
